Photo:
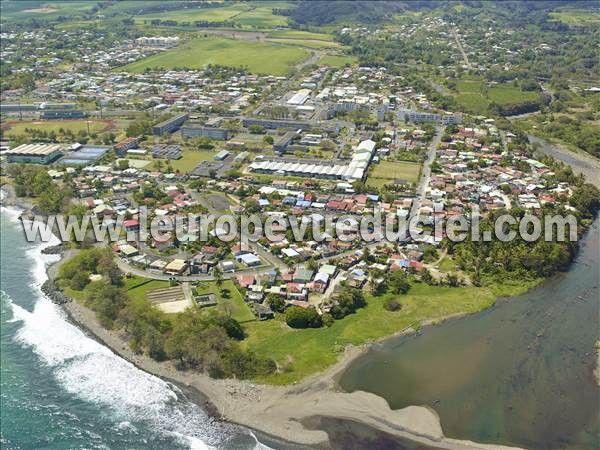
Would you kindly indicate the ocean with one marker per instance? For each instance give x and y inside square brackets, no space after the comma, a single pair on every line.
[61,389]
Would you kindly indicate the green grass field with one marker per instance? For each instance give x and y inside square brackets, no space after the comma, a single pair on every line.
[255,15]
[257,57]
[387,171]
[473,95]
[193,14]
[576,17]
[337,61]
[140,287]
[191,158]
[447,264]
[18,128]
[233,303]
[309,351]
[31,9]
[308,43]
[298,34]
[261,17]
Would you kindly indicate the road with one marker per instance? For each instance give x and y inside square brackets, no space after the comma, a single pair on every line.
[460,47]
[425,173]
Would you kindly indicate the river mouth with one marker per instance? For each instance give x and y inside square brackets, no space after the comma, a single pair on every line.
[520,373]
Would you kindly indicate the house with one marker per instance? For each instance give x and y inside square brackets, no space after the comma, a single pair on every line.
[357,278]
[128,250]
[227,266]
[176,267]
[248,259]
[245,280]
[320,282]
[296,291]
[303,275]
[329,269]
[131,225]
[263,312]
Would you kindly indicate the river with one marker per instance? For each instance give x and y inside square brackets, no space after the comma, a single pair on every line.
[520,373]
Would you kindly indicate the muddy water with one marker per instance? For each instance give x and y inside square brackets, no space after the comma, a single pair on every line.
[520,373]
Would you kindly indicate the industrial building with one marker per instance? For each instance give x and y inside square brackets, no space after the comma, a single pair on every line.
[299,98]
[428,117]
[281,143]
[355,170]
[157,41]
[194,130]
[221,155]
[273,124]
[170,125]
[49,114]
[35,153]
[163,151]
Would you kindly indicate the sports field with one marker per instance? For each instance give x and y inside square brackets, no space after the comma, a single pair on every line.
[13,129]
[257,57]
[387,171]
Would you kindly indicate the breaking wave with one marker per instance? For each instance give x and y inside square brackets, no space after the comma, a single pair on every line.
[92,372]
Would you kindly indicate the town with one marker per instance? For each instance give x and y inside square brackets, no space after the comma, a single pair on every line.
[111,125]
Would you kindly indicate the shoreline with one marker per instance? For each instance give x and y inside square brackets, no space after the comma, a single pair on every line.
[279,411]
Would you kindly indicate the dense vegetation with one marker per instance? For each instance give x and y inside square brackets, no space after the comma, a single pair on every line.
[33,181]
[206,341]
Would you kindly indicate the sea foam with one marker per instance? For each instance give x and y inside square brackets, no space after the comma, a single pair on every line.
[92,372]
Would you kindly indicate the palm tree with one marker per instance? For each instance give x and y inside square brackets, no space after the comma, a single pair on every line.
[218,275]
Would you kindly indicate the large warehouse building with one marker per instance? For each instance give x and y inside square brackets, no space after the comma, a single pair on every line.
[35,153]
[355,170]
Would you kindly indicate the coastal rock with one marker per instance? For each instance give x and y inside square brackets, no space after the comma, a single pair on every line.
[52,291]
[55,249]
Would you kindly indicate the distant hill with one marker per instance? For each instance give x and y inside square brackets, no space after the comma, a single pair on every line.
[325,12]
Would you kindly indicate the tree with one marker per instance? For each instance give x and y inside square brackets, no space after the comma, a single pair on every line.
[348,301]
[391,304]
[426,276]
[275,302]
[398,282]
[218,276]
[297,317]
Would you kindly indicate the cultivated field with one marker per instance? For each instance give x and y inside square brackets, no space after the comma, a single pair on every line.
[28,9]
[309,43]
[246,15]
[257,57]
